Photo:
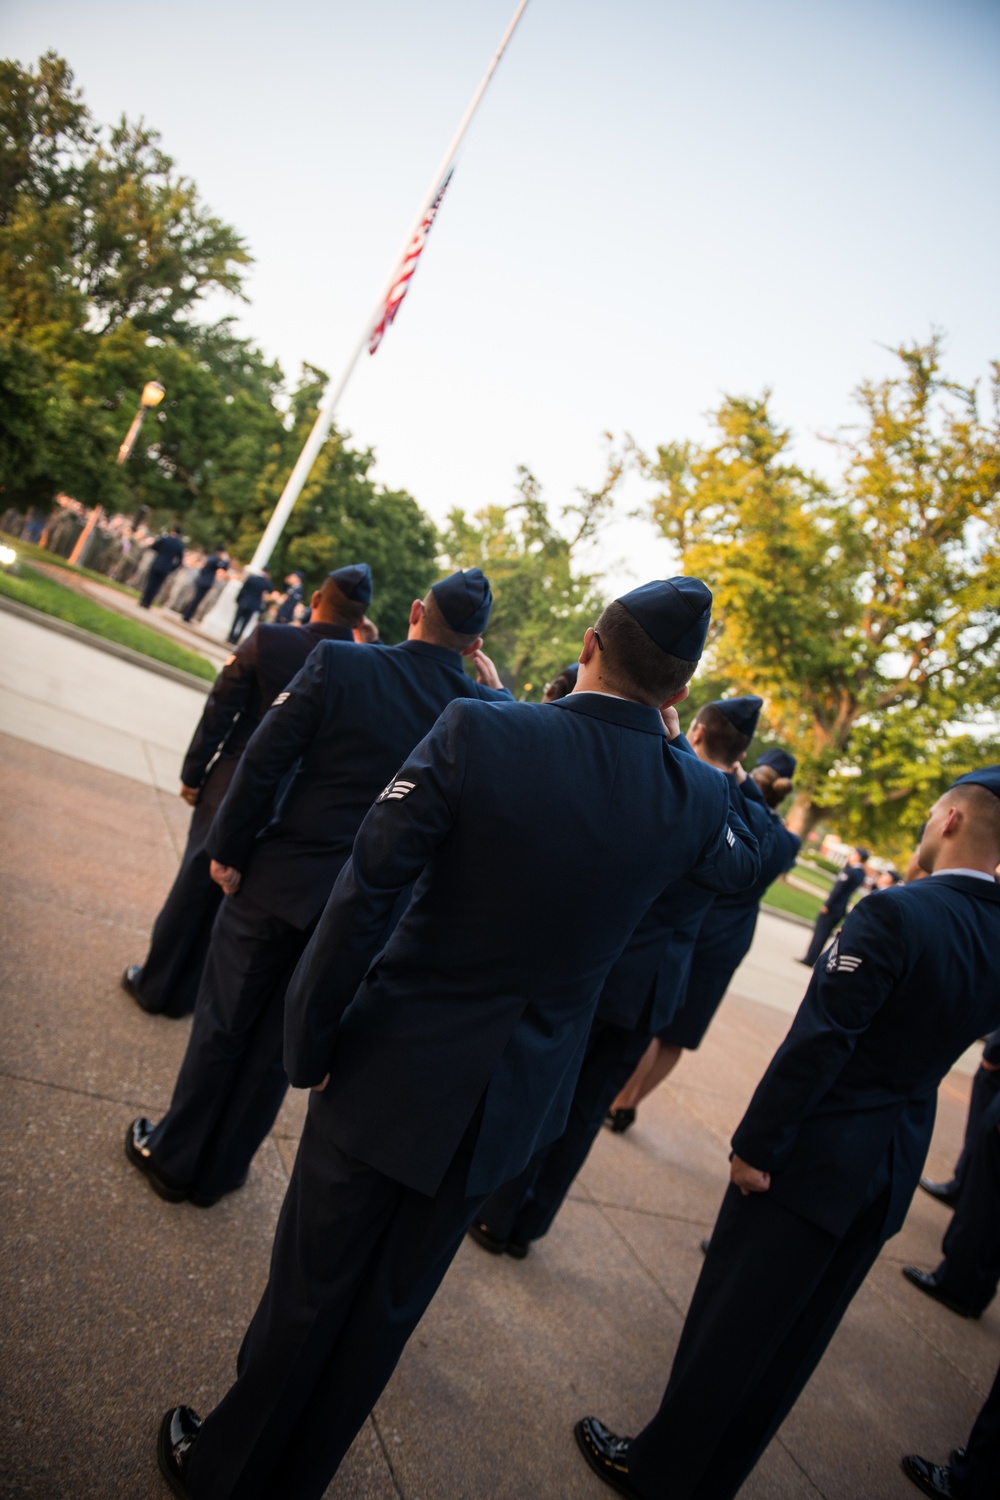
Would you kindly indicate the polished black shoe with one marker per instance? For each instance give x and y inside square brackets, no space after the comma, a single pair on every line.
[943,1192]
[620,1120]
[483,1237]
[932,1479]
[138,1152]
[927,1282]
[178,1431]
[131,980]
[606,1454]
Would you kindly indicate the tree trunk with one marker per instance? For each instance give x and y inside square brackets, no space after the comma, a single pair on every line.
[803,815]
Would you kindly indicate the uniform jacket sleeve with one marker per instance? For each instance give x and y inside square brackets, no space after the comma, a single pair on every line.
[844,996]
[231,692]
[730,860]
[400,832]
[284,733]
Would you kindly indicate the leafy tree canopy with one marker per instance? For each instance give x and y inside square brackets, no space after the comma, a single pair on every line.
[542,604]
[106,254]
[867,614]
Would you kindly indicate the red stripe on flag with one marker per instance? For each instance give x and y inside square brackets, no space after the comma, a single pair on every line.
[401,281]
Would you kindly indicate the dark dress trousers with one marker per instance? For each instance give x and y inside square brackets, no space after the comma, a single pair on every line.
[843,888]
[970,1269]
[985,1088]
[242,693]
[202,584]
[453,1049]
[329,744]
[168,554]
[640,998]
[725,936]
[975,1471]
[248,603]
[842,1121]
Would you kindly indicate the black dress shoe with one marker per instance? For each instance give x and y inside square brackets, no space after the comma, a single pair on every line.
[927,1282]
[513,1247]
[943,1192]
[138,1152]
[131,980]
[209,1200]
[932,1479]
[178,1431]
[606,1454]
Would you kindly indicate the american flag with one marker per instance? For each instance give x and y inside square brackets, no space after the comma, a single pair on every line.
[408,265]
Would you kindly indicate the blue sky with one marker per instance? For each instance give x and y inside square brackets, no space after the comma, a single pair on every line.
[656,204]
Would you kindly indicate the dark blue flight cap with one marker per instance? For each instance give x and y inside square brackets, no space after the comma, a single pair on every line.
[780,761]
[863,854]
[742,713]
[989,777]
[354,580]
[465,600]
[675,612]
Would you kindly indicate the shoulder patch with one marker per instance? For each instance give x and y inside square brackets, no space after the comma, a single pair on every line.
[395,791]
[841,963]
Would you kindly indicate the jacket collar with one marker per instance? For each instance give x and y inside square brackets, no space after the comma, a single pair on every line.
[447,658]
[990,891]
[325,632]
[613,711]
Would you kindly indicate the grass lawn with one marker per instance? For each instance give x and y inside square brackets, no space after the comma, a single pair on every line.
[38,592]
[28,552]
[819,878]
[787,898]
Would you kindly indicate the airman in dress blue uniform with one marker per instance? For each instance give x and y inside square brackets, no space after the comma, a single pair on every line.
[834,908]
[723,941]
[339,730]
[640,997]
[167,982]
[448,1057]
[826,1158]
[168,554]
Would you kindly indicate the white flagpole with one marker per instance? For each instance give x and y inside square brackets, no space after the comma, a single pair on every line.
[321,426]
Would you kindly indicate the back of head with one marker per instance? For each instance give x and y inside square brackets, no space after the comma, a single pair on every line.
[562,684]
[632,663]
[721,738]
[331,606]
[436,630]
[982,817]
[775,788]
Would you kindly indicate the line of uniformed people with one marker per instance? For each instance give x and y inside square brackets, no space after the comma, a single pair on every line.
[444,1065]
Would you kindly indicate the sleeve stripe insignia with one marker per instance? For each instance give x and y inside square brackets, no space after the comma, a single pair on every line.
[730,837]
[396,791]
[281,698]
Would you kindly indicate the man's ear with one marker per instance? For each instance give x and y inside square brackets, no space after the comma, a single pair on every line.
[677,697]
[416,611]
[477,645]
[589,646]
[314,602]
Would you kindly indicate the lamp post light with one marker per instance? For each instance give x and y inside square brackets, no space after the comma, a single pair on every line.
[152,394]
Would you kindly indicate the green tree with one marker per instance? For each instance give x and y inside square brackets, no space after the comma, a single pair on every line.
[867,614]
[543,604]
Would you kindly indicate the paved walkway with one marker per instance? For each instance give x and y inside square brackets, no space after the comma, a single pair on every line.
[114,1304]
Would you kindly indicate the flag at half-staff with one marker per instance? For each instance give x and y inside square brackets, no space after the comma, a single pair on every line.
[403,277]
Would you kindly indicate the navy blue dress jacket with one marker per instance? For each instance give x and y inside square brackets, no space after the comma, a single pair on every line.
[168,554]
[910,983]
[263,663]
[843,888]
[537,836]
[344,725]
[647,984]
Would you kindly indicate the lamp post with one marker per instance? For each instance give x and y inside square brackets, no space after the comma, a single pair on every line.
[152,394]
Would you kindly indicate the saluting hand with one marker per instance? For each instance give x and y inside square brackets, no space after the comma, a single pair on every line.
[191,795]
[486,672]
[747,1178]
[671,722]
[225,876]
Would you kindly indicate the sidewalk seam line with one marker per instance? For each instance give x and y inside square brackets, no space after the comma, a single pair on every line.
[385,1454]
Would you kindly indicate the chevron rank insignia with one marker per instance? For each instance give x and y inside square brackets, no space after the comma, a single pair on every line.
[281,698]
[841,963]
[396,791]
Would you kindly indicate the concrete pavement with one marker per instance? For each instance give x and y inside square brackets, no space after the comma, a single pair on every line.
[115,1304]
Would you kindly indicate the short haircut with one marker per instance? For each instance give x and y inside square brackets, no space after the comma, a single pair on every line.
[983,808]
[633,664]
[723,740]
[336,608]
[439,632]
[775,788]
